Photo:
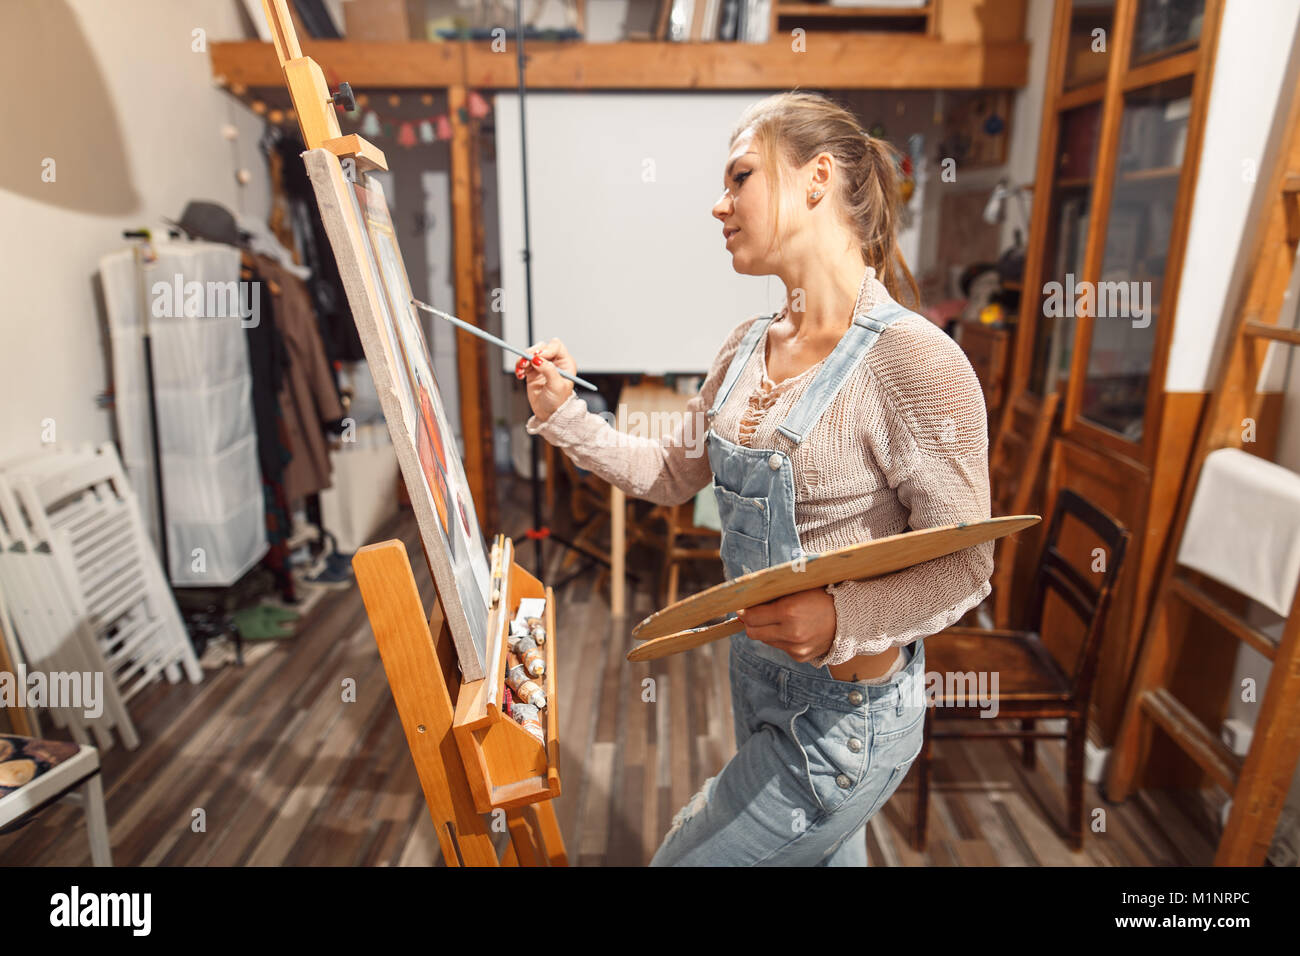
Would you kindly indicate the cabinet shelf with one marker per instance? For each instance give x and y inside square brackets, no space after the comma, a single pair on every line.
[1147,175]
[826,10]
[847,61]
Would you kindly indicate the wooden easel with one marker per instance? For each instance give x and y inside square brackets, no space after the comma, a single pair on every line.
[471,758]
[480,771]
[1258,785]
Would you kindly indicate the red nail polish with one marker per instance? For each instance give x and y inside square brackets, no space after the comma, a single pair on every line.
[537,360]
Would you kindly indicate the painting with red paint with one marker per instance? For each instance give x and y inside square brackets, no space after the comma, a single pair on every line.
[445,482]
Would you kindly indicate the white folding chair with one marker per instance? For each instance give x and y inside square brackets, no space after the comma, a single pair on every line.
[52,636]
[86,514]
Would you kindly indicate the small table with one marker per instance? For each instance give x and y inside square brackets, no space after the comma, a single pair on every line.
[658,403]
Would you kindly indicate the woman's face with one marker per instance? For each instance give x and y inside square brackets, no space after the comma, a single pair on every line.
[743,210]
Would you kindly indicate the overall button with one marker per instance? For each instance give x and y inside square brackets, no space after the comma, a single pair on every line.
[843,781]
[855,745]
[855,697]
[774,462]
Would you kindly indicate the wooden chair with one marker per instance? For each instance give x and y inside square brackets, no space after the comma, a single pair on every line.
[683,541]
[1015,463]
[590,504]
[59,777]
[1032,685]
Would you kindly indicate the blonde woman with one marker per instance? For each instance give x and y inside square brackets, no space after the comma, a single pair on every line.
[842,418]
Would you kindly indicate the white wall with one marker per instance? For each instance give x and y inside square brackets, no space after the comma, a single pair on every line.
[1255,42]
[113,92]
[1027,121]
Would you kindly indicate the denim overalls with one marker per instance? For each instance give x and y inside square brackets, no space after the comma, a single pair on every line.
[816,756]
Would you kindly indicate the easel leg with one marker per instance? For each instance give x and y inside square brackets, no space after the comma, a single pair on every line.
[424,702]
[549,829]
[523,838]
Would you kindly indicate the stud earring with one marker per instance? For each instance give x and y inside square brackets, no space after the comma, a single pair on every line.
[817,194]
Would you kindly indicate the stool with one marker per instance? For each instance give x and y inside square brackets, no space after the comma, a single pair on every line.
[39,773]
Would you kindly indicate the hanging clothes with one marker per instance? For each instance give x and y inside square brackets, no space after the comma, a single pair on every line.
[338,331]
[269,361]
[309,401]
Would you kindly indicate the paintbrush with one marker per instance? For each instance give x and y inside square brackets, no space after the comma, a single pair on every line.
[489,337]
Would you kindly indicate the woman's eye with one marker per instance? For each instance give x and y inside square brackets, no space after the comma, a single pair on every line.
[740,178]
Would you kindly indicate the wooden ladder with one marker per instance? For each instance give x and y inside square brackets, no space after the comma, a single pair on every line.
[1259,784]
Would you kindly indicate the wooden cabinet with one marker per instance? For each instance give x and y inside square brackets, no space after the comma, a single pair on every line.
[1127,91]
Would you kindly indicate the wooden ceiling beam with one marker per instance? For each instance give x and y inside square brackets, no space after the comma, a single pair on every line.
[831,61]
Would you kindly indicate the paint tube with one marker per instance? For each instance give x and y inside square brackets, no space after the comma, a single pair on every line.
[528,608]
[534,661]
[527,690]
[537,630]
[530,718]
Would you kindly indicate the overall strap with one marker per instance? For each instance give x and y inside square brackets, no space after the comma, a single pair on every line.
[855,344]
[743,351]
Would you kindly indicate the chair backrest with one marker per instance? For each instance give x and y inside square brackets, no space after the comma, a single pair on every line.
[1087,601]
[1017,454]
[1015,461]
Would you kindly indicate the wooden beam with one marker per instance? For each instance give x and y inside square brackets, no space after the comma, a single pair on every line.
[475,417]
[827,61]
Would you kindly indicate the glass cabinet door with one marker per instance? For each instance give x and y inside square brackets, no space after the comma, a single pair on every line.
[1089,53]
[1166,27]
[1126,299]
[1067,232]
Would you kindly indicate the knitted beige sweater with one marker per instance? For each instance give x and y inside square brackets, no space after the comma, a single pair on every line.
[903,445]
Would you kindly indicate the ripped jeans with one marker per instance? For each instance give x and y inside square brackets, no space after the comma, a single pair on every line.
[815,759]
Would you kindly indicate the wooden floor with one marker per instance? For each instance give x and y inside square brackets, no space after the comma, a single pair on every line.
[268,765]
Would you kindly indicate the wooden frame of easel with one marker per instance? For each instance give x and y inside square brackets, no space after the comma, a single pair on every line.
[477,767]
[470,757]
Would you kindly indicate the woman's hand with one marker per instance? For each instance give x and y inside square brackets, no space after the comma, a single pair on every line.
[801,624]
[547,388]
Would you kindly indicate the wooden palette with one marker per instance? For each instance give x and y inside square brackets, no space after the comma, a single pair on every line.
[678,627]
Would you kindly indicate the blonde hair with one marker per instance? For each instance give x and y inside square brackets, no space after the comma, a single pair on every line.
[798,125]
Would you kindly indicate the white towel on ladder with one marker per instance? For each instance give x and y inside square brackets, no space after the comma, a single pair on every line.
[1244,527]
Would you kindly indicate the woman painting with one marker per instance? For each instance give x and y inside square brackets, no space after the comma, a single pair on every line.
[842,418]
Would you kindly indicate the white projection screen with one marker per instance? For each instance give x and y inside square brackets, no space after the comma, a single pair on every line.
[629,267]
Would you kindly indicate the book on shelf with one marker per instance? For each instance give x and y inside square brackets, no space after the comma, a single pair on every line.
[696,21]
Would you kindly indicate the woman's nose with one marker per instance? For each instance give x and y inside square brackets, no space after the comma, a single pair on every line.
[721,207]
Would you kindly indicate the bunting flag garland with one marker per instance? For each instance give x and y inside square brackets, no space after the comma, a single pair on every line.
[415,130]
[407,131]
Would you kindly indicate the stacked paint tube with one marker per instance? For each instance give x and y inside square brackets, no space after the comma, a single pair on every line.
[526,666]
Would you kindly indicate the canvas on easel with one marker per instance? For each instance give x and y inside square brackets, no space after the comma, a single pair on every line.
[356,218]
[440,462]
